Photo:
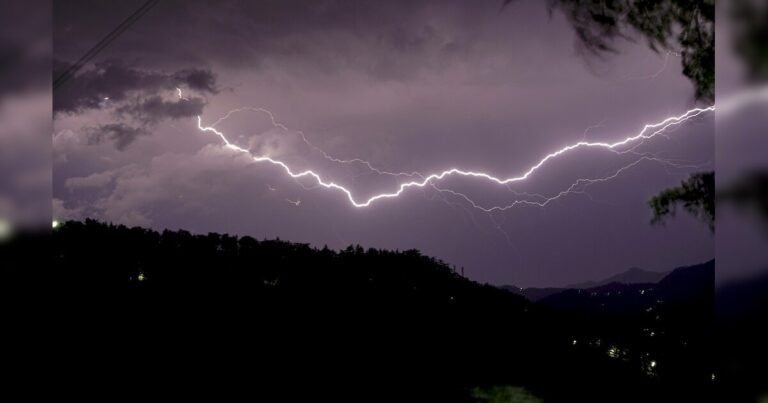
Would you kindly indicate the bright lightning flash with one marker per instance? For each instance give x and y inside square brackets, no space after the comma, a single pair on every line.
[649,131]
[623,146]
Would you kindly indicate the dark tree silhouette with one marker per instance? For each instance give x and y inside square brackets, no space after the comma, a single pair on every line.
[749,23]
[696,195]
[699,196]
[682,26]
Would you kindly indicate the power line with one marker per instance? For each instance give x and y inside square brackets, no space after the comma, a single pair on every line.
[103,43]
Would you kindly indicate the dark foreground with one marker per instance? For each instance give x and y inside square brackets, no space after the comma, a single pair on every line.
[133,311]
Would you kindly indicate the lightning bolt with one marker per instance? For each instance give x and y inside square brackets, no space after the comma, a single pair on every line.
[623,146]
[180,93]
[579,187]
[275,123]
[649,131]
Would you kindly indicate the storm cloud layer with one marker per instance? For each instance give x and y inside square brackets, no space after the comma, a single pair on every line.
[406,86]
[133,95]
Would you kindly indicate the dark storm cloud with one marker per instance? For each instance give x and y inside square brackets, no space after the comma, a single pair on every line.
[154,109]
[379,38]
[115,81]
[138,99]
[198,80]
[120,133]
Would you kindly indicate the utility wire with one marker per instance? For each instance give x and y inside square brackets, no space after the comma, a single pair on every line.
[103,43]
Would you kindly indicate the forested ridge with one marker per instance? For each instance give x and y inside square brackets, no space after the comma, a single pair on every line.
[353,321]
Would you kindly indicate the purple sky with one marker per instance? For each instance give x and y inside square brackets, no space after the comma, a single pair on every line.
[409,86]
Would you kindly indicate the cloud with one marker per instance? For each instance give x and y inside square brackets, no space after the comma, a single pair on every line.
[137,99]
[155,109]
[384,40]
[171,184]
[197,80]
[95,180]
[120,133]
[62,213]
[114,81]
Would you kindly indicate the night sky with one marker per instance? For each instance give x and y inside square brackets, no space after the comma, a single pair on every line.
[407,86]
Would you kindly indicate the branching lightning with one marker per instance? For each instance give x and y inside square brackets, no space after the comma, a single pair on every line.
[649,131]
[579,187]
[627,145]
[325,155]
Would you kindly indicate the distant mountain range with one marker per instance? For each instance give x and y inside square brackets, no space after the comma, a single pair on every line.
[681,285]
[632,276]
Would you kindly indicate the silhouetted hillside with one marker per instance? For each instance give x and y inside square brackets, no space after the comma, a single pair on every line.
[690,283]
[152,263]
[287,318]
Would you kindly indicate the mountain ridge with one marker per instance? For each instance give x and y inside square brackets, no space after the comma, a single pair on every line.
[631,276]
